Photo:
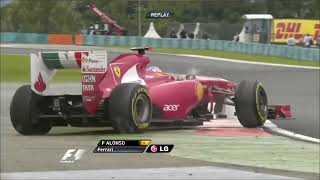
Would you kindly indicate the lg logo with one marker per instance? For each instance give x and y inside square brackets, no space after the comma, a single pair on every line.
[160,148]
[171,107]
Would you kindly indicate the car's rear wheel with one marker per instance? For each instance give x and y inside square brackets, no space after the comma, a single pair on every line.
[24,112]
[130,108]
[251,104]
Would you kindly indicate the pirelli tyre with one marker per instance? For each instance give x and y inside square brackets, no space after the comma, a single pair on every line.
[24,112]
[130,108]
[251,104]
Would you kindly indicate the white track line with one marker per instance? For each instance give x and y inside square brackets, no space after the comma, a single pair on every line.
[269,126]
[202,172]
[37,46]
[7,45]
[242,61]
[275,129]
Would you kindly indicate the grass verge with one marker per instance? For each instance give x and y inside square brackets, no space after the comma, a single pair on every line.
[233,55]
[240,56]
[16,68]
[274,152]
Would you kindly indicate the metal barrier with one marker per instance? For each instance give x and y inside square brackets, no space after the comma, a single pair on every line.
[10,37]
[298,53]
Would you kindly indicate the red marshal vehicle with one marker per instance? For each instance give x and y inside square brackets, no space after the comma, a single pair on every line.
[129,96]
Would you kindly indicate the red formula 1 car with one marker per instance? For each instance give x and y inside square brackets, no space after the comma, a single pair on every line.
[129,96]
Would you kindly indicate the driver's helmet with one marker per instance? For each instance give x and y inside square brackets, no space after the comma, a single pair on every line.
[154,69]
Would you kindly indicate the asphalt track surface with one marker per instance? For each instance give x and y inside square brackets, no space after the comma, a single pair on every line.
[38,157]
[42,153]
[284,85]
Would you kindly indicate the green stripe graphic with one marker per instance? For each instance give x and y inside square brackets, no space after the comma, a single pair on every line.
[51,60]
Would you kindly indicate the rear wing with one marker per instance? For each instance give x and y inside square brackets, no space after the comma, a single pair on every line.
[44,65]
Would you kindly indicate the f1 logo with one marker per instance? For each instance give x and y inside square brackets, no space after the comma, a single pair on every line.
[72,155]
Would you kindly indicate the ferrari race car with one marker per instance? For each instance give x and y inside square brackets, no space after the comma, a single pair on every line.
[129,96]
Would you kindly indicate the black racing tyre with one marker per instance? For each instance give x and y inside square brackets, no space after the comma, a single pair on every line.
[251,104]
[130,108]
[24,112]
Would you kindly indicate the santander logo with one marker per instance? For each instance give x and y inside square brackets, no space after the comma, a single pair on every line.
[40,85]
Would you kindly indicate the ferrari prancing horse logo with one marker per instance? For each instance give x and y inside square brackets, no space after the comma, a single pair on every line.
[117,71]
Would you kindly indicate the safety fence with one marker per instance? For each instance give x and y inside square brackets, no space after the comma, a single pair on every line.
[297,53]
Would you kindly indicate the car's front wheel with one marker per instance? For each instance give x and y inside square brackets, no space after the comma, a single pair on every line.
[251,104]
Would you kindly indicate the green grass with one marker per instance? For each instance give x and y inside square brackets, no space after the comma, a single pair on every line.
[16,68]
[233,55]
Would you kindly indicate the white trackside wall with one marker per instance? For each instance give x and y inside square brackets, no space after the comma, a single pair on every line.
[44,64]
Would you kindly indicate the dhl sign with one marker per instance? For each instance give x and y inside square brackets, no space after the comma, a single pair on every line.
[296,28]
